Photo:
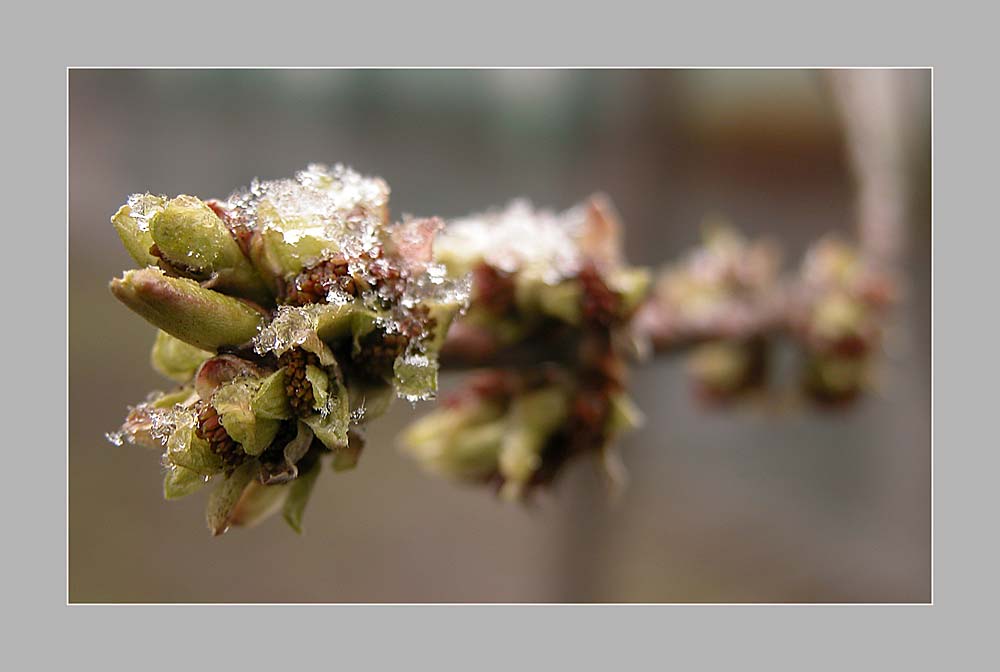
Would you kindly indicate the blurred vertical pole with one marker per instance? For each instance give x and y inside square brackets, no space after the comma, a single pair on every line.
[878,130]
[885,132]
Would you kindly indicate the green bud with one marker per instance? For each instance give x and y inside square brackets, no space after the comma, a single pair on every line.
[837,375]
[135,236]
[347,457]
[181,482]
[186,449]
[171,399]
[506,331]
[532,419]
[561,301]
[139,425]
[299,492]
[331,426]
[625,415]
[721,365]
[226,495]
[460,442]
[175,359]
[307,326]
[362,323]
[193,239]
[182,308]
[258,503]
[271,400]
[282,247]
[472,453]
[838,315]
[632,284]
[221,369]
[320,386]
[527,290]
[234,403]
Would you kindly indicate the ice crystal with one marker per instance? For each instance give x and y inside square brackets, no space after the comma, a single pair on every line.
[142,207]
[517,238]
[292,326]
[335,204]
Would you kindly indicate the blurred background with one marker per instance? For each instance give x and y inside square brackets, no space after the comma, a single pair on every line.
[750,502]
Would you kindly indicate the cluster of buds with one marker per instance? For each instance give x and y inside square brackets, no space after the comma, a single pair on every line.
[293,312]
[721,299]
[290,314]
[727,301]
[837,319]
[554,287]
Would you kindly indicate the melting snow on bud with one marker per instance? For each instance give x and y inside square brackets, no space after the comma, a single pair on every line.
[517,238]
[142,207]
[291,326]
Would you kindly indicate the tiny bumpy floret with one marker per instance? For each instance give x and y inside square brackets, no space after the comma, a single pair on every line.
[314,284]
[209,428]
[297,386]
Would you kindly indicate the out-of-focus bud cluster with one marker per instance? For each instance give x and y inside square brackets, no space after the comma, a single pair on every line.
[721,299]
[554,286]
[290,314]
[727,300]
[837,319]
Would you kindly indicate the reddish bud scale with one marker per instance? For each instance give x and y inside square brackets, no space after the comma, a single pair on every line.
[172,268]
[588,417]
[240,229]
[601,306]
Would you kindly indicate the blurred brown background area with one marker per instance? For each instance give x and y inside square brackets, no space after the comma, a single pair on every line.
[748,503]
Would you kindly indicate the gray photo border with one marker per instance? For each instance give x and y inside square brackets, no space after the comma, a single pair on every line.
[954,44]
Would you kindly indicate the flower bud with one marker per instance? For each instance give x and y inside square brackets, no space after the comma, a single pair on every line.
[299,492]
[221,369]
[258,503]
[186,449]
[724,368]
[331,423]
[531,421]
[460,441]
[182,308]
[271,400]
[176,359]
[192,239]
[181,482]
[836,378]
[283,245]
[234,403]
[133,228]
[226,495]
[346,458]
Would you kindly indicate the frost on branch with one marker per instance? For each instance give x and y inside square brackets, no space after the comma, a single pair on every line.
[289,314]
